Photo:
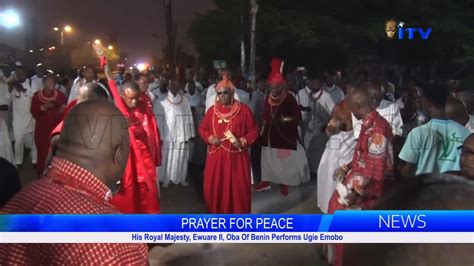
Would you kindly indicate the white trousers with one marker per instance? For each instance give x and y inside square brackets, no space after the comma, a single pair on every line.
[22,141]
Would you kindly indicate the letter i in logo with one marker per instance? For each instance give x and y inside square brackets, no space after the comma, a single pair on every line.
[400,30]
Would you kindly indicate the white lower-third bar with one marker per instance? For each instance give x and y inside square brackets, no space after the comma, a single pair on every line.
[240,237]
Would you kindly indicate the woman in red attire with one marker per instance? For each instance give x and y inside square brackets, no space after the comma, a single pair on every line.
[46,107]
[229,129]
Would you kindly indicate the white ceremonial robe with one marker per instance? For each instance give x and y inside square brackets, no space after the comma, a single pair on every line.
[315,137]
[6,150]
[23,123]
[336,93]
[211,96]
[388,110]
[175,122]
[339,150]
[287,167]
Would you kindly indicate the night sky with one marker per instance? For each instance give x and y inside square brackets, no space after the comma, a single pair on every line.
[135,21]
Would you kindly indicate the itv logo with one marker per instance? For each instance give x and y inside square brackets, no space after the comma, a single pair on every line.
[392,28]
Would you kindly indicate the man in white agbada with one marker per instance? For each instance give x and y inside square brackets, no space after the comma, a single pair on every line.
[338,152]
[175,122]
[336,93]
[6,150]
[21,96]
[388,110]
[314,137]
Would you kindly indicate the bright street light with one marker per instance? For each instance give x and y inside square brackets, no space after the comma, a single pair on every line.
[97,42]
[110,47]
[66,29]
[10,19]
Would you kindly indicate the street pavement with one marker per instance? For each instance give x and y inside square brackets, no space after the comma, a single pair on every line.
[179,199]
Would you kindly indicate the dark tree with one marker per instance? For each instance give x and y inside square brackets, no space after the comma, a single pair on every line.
[324,34]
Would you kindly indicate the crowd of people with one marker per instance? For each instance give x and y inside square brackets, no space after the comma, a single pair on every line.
[106,146]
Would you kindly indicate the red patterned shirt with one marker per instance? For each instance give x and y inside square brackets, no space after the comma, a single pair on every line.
[373,157]
[67,189]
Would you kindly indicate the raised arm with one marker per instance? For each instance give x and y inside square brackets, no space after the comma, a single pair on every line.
[115,92]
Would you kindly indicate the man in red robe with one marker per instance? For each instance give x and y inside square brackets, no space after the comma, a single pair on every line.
[229,129]
[139,191]
[361,183]
[46,107]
